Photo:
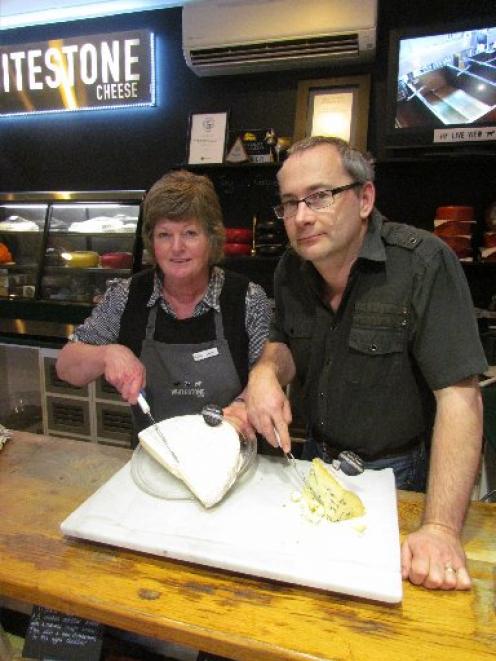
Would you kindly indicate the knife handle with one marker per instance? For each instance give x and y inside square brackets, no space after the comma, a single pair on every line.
[142,403]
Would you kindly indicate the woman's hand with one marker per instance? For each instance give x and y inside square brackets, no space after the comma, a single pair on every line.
[237,414]
[124,371]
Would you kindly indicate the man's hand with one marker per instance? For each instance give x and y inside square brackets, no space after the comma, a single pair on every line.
[268,407]
[124,371]
[433,556]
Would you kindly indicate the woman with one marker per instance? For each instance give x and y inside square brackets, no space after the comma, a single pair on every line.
[186,331]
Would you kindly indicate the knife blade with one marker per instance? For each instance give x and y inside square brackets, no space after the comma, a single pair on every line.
[292,461]
[145,407]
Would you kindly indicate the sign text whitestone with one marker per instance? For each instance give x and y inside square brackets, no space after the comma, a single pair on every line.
[96,71]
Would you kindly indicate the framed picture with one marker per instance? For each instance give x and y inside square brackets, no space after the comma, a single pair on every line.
[334,106]
[207,137]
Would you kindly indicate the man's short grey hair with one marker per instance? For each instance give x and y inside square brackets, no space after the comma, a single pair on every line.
[358,165]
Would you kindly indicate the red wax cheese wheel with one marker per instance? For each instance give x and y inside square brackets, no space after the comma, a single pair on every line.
[117,260]
[461,245]
[238,235]
[453,228]
[455,213]
[489,240]
[237,249]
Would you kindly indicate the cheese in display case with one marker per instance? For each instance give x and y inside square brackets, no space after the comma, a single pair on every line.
[22,226]
[66,246]
[89,242]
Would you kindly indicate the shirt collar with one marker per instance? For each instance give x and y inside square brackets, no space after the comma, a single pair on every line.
[372,247]
[372,250]
[210,300]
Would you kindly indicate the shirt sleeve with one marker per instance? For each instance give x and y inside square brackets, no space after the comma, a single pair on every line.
[446,343]
[276,331]
[257,320]
[103,325]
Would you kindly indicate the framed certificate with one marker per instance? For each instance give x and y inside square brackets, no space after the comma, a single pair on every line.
[334,106]
[207,137]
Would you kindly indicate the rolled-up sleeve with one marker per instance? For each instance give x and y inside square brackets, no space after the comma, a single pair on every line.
[103,325]
[446,343]
[257,319]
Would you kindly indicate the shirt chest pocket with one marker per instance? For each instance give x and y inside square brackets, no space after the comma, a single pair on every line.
[375,355]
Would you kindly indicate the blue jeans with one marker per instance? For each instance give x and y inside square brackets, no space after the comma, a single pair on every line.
[410,468]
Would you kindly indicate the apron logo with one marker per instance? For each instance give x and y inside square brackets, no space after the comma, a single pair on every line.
[188,389]
[206,353]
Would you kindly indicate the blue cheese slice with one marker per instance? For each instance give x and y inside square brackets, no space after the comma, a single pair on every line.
[325,492]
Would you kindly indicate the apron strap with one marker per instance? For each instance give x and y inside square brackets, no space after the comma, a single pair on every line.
[219,326]
[150,326]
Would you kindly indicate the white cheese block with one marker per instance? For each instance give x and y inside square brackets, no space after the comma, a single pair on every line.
[209,457]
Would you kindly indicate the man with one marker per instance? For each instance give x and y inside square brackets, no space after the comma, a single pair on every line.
[375,321]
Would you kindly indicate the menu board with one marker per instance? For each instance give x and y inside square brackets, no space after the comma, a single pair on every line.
[55,635]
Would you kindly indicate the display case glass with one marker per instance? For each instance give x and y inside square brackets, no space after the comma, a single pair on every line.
[88,244]
[22,228]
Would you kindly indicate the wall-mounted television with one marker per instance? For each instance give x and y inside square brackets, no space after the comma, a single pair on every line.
[441,95]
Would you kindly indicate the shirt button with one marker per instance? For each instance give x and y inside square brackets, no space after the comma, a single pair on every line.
[412,240]
[373,348]
[321,395]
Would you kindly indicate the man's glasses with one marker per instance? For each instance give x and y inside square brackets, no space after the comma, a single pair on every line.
[318,201]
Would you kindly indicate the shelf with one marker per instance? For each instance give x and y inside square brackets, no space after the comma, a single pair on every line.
[231,166]
[17,232]
[103,235]
[89,270]
[13,266]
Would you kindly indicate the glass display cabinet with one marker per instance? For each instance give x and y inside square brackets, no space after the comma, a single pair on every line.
[66,246]
[88,244]
[22,227]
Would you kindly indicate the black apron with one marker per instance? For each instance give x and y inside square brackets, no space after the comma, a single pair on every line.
[182,378]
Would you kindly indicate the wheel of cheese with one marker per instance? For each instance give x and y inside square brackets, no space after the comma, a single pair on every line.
[270,250]
[237,249]
[454,228]
[81,259]
[455,213]
[238,235]
[461,245]
[489,240]
[116,260]
[5,254]
[207,459]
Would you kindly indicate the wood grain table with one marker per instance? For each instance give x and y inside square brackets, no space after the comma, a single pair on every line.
[43,479]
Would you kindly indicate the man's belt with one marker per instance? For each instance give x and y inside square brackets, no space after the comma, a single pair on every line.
[331,452]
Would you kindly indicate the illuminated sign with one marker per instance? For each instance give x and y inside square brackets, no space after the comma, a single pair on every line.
[100,71]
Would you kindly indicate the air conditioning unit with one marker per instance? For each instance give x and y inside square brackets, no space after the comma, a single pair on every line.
[244,36]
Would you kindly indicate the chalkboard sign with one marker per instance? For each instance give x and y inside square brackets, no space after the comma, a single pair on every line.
[54,635]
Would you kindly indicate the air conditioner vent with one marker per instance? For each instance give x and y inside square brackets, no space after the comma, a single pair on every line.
[337,46]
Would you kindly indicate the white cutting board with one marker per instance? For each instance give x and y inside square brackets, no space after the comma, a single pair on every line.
[258,530]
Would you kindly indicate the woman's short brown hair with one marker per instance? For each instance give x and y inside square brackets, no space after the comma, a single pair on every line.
[182,195]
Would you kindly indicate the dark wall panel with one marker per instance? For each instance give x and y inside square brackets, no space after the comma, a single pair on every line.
[132,148]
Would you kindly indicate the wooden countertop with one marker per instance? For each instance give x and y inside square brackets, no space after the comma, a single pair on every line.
[43,479]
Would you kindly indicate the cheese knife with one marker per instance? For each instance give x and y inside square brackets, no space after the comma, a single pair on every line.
[292,461]
[145,407]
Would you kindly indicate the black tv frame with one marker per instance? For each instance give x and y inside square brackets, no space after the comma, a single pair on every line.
[419,140]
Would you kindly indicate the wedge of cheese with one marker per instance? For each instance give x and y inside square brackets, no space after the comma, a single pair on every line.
[325,491]
[208,457]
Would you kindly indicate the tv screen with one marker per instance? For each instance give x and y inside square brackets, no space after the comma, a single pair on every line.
[442,88]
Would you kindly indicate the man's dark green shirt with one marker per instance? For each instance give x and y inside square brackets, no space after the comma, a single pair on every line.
[405,327]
